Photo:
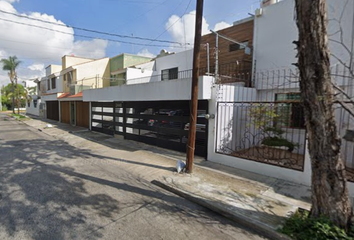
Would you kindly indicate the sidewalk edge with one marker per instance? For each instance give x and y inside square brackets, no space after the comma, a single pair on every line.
[245,221]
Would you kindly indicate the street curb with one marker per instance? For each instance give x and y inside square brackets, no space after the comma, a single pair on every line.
[245,221]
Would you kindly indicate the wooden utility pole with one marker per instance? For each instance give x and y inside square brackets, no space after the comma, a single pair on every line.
[195,79]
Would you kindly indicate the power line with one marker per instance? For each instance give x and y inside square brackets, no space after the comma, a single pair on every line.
[84,36]
[32,50]
[173,23]
[89,30]
[145,12]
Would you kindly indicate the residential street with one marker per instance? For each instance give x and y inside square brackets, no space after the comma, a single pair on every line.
[52,190]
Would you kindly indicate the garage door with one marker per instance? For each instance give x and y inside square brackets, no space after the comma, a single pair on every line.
[163,123]
[82,114]
[52,110]
[65,112]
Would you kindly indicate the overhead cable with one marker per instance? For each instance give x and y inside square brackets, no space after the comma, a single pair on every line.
[84,36]
[89,30]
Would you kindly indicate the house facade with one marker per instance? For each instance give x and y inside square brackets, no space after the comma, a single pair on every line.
[77,75]
[153,104]
[234,62]
[261,128]
[34,101]
[150,101]
[50,88]
[120,63]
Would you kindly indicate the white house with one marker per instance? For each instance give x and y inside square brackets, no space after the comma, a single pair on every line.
[165,66]
[153,106]
[275,30]
[238,131]
[34,101]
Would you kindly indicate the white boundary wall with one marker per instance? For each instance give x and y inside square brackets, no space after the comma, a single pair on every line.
[233,93]
[301,177]
[33,110]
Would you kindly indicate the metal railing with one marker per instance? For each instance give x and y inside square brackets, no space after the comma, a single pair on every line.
[228,73]
[187,74]
[262,131]
[267,124]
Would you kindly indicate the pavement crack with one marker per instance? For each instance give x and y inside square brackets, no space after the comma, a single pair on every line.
[120,218]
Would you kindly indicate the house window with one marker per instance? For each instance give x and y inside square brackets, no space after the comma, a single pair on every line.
[289,110]
[169,74]
[48,84]
[68,78]
[29,103]
[53,80]
[235,46]
[35,103]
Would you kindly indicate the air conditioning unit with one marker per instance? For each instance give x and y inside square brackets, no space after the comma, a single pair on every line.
[268,2]
[258,12]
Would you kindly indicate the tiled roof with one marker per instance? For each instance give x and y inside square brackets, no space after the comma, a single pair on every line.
[67,95]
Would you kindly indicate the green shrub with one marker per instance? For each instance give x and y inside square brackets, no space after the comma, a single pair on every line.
[301,226]
[18,116]
[4,108]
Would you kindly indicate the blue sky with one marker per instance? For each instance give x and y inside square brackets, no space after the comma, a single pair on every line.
[171,20]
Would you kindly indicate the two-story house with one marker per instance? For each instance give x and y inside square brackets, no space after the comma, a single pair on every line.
[34,105]
[78,74]
[151,103]
[50,91]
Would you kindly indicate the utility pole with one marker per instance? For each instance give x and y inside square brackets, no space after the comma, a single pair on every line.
[195,80]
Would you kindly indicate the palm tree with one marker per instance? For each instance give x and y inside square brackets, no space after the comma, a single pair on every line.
[10,65]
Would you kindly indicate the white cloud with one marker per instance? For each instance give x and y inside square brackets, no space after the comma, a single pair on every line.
[11,1]
[36,67]
[41,46]
[97,48]
[145,53]
[221,25]
[6,6]
[182,29]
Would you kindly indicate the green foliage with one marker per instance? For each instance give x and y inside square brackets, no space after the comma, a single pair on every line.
[262,115]
[4,108]
[31,90]
[18,116]
[301,226]
[10,64]
[279,142]
[274,138]
[7,93]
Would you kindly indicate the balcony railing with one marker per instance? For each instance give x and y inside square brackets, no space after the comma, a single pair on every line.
[76,88]
[227,73]
[156,78]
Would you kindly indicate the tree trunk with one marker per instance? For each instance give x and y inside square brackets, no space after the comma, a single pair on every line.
[17,97]
[13,97]
[329,186]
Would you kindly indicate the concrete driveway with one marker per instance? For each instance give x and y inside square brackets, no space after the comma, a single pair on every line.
[50,189]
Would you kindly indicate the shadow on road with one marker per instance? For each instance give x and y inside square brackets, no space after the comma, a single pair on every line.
[43,198]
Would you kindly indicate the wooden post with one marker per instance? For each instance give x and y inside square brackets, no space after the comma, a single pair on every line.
[195,78]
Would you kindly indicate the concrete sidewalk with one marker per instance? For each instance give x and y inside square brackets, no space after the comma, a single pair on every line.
[256,201]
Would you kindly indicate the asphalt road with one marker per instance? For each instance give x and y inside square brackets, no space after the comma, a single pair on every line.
[52,190]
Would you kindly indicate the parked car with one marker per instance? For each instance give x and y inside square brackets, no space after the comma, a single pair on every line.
[200,126]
